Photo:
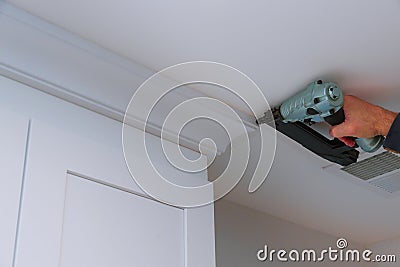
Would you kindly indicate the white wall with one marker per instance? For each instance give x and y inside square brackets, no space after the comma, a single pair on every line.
[241,232]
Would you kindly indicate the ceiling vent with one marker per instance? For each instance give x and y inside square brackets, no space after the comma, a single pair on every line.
[380,171]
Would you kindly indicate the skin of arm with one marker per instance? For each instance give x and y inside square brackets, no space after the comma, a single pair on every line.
[363,120]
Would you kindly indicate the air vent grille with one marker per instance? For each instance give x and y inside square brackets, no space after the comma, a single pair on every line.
[375,166]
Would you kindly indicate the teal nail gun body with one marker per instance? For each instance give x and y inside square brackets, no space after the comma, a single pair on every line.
[320,101]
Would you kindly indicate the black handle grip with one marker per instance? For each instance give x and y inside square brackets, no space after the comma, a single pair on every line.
[336,118]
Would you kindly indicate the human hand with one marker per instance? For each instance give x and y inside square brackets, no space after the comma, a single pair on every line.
[362,120]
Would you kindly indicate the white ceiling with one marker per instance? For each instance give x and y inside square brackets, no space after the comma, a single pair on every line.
[282,45]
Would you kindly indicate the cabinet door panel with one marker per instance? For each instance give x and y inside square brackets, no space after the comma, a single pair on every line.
[105,226]
[81,208]
[13,137]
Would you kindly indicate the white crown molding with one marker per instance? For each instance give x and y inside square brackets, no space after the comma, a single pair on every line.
[54,31]
[48,58]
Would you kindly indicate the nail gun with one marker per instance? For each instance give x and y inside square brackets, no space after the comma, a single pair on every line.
[320,101]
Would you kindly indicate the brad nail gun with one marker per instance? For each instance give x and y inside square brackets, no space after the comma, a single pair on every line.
[320,101]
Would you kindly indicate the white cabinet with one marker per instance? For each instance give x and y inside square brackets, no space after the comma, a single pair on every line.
[78,205]
[13,138]
[76,211]
[66,196]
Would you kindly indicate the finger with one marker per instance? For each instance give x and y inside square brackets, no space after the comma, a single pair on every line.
[348,141]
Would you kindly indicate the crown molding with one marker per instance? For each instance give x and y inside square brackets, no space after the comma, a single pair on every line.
[50,59]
